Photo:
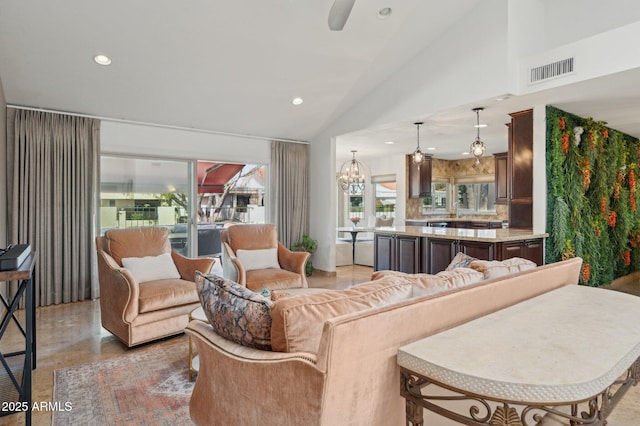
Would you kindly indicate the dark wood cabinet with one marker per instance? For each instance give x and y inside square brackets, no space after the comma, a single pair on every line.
[397,253]
[440,253]
[478,249]
[501,178]
[520,170]
[528,249]
[419,178]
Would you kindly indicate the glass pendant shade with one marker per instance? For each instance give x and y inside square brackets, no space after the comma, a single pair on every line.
[478,147]
[352,176]
[418,155]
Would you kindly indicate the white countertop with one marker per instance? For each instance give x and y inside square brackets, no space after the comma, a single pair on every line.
[563,346]
[488,235]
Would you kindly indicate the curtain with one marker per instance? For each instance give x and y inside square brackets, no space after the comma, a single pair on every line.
[290,190]
[53,173]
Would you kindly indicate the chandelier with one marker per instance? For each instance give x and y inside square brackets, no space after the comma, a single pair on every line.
[418,156]
[352,177]
[477,147]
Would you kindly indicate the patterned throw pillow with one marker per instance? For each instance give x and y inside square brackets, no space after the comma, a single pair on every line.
[461,260]
[235,312]
[495,269]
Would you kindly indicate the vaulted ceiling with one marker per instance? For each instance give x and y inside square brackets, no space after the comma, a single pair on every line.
[235,66]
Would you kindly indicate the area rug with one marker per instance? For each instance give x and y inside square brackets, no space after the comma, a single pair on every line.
[146,386]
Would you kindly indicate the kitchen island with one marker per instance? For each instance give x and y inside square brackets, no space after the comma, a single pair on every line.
[427,249]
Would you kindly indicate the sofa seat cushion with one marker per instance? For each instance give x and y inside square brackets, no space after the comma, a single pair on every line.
[495,269]
[235,312]
[163,294]
[297,321]
[426,284]
[272,278]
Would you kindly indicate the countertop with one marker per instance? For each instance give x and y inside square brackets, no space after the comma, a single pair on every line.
[485,235]
[453,219]
[537,351]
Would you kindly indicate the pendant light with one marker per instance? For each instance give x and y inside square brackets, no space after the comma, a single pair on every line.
[352,176]
[418,156]
[477,147]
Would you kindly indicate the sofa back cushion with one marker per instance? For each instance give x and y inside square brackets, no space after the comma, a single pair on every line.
[297,321]
[137,242]
[424,284]
[235,312]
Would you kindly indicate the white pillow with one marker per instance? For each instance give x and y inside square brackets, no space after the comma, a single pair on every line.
[151,268]
[258,259]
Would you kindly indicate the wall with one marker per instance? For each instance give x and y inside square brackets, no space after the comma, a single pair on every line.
[419,88]
[3,170]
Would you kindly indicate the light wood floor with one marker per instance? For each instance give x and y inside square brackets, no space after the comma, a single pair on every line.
[70,334]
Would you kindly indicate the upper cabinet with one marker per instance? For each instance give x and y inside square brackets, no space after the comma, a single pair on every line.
[520,165]
[419,178]
[502,178]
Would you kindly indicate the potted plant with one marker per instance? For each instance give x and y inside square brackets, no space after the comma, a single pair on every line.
[309,245]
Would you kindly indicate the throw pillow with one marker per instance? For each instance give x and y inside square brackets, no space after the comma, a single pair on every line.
[460,260]
[151,268]
[258,259]
[495,268]
[235,312]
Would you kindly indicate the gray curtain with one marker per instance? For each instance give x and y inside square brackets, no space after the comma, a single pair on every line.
[53,174]
[290,190]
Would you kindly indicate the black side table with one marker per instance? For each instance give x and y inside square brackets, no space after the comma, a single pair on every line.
[24,275]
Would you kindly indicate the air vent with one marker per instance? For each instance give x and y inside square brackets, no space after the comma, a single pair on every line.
[551,71]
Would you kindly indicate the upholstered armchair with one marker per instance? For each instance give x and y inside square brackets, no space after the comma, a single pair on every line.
[253,257]
[147,290]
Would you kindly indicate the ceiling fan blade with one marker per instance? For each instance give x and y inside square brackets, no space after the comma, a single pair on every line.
[339,14]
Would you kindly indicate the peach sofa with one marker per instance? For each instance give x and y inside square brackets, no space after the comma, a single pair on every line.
[352,378]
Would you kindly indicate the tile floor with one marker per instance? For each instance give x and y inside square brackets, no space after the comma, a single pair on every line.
[71,334]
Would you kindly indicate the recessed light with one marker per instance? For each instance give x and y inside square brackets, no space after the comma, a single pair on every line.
[465,153]
[503,97]
[431,148]
[297,101]
[389,142]
[102,60]
[481,125]
[384,12]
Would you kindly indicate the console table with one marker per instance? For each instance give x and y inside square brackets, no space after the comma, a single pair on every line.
[568,354]
[24,276]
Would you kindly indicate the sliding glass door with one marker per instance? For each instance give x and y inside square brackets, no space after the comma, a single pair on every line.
[147,192]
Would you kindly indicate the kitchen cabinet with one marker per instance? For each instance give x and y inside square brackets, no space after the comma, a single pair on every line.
[520,170]
[478,249]
[439,254]
[532,249]
[397,253]
[419,178]
[501,177]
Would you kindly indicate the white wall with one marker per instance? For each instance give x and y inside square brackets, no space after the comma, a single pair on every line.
[151,141]
[469,62]
[568,21]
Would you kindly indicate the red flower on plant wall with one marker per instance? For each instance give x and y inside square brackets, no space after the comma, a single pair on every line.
[613,217]
[565,142]
[603,207]
[605,133]
[626,257]
[586,272]
[561,123]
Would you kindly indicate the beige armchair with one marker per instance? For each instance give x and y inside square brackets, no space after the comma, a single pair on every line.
[153,297]
[248,258]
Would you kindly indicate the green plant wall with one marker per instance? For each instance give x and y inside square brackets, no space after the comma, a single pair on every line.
[592,206]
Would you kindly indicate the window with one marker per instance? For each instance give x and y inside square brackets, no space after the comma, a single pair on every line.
[476,197]
[384,188]
[438,202]
[145,192]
